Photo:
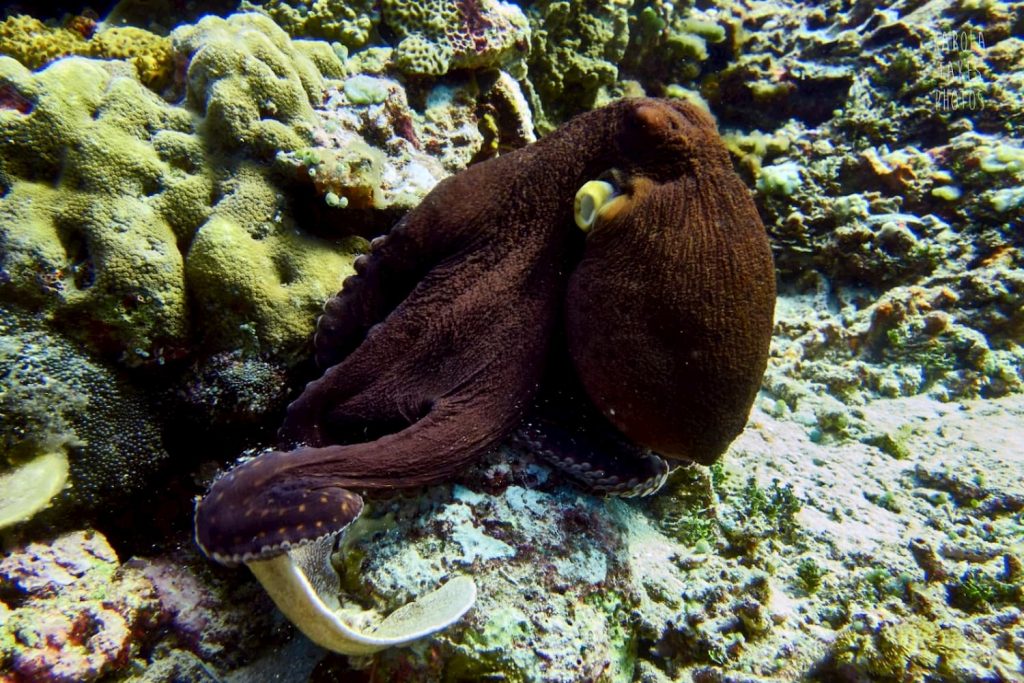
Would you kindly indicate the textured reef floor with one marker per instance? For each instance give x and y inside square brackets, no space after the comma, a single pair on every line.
[864,565]
[176,203]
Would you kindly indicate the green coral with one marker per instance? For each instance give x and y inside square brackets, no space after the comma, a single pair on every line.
[668,45]
[101,181]
[917,648]
[778,505]
[255,87]
[250,269]
[353,24]
[809,575]
[757,514]
[576,48]
[880,584]
[435,36]
[685,507]
[978,591]
[780,179]
[116,207]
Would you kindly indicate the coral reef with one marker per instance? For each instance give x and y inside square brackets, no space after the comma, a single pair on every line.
[153,204]
[436,36]
[254,86]
[58,400]
[575,48]
[36,44]
[67,626]
[888,193]
[372,150]
[867,525]
[254,276]
[584,54]
[74,612]
[101,180]
[352,24]
[430,37]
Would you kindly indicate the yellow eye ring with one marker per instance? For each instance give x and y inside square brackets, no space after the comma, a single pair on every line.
[590,199]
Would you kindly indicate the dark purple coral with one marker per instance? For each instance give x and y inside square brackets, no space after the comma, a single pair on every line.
[435,348]
[10,98]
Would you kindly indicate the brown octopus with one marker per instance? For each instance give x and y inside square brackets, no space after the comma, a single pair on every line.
[437,347]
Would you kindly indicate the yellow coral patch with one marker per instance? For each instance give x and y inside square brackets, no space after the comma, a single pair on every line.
[35,45]
[28,488]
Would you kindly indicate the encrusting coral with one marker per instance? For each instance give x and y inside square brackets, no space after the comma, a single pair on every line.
[575,48]
[254,86]
[436,36]
[102,181]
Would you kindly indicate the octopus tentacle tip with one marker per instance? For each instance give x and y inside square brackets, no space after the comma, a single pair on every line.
[251,514]
[589,201]
[292,580]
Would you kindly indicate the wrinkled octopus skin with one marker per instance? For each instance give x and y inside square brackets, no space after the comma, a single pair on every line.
[436,347]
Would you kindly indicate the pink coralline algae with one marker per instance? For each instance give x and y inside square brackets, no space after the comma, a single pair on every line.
[74,619]
[72,612]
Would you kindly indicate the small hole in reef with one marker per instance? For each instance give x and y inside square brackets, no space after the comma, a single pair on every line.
[151,186]
[287,273]
[79,259]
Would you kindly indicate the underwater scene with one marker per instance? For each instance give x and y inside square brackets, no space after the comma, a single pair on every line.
[512,340]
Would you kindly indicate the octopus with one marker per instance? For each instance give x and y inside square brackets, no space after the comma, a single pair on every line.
[605,296]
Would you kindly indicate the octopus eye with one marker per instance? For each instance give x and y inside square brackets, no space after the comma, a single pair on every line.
[590,199]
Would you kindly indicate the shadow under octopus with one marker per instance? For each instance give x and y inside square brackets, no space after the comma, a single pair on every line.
[622,245]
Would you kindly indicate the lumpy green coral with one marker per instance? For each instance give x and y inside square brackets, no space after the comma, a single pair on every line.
[116,207]
[575,48]
[249,268]
[255,87]
[101,181]
[667,44]
[353,24]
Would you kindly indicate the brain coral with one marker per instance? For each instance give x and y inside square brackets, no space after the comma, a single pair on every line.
[253,274]
[100,180]
[439,35]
